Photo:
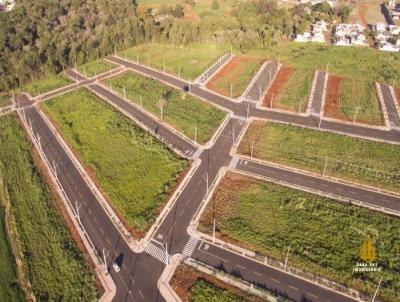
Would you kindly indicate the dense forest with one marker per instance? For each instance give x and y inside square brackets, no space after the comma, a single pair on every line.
[45,36]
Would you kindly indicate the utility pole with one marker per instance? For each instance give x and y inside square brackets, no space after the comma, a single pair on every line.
[272,99]
[137,58]
[230,91]
[287,256]
[164,66]
[124,93]
[141,101]
[355,115]
[179,71]
[195,135]
[377,289]
[325,166]
[214,230]
[301,102]
[252,149]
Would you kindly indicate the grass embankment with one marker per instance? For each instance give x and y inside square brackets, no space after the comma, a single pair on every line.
[233,78]
[54,265]
[94,68]
[180,110]
[193,285]
[47,84]
[290,89]
[134,170]
[325,236]
[191,60]
[9,287]
[4,99]
[362,161]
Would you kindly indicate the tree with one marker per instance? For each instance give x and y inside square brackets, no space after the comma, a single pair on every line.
[215,5]
[344,13]
[178,11]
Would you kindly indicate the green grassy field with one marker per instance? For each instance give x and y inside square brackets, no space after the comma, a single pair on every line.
[354,62]
[205,291]
[191,60]
[296,90]
[237,74]
[94,68]
[46,84]
[363,161]
[55,267]
[9,287]
[4,99]
[135,171]
[360,97]
[181,111]
[325,236]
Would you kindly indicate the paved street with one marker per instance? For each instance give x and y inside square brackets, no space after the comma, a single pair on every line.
[137,280]
[393,115]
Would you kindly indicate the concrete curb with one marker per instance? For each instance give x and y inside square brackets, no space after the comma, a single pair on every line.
[163,283]
[203,79]
[105,278]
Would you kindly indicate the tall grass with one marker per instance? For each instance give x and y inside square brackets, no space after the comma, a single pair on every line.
[94,68]
[135,171]
[55,267]
[47,84]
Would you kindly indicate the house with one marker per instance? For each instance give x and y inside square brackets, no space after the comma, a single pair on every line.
[313,34]
[379,27]
[349,34]
[394,30]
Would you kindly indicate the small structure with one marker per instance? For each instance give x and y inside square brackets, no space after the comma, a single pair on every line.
[386,39]
[345,34]
[313,34]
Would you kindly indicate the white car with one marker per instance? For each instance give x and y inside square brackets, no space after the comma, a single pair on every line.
[116,267]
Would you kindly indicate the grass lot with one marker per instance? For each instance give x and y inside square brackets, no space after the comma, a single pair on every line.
[9,288]
[46,84]
[360,94]
[238,72]
[55,267]
[355,62]
[181,111]
[363,161]
[193,285]
[192,60]
[4,99]
[135,171]
[325,236]
[297,90]
[94,68]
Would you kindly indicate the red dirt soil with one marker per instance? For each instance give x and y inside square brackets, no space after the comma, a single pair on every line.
[332,98]
[190,15]
[276,88]
[397,93]
[235,63]
[362,8]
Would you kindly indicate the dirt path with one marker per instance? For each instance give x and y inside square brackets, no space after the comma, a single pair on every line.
[275,91]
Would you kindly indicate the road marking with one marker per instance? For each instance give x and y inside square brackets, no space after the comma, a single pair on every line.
[257,273]
[108,241]
[220,258]
[181,212]
[277,281]
[140,292]
[240,266]
[295,288]
[101,230]
[311,295]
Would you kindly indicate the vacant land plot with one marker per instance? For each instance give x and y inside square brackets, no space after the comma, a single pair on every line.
[9,287]
[45,85]
[290,90]
[354,62]
[134,170]
[397,93]
[352,100]
[54,265]
[4,99]
[325,236]
[94,68]
[196,119]
[193,285]
[363,161]
[189,62]
[235,76]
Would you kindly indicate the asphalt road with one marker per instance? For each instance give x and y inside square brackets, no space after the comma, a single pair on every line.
[316,102]
[240,109]
[137,280]
[393,115]
[263,81]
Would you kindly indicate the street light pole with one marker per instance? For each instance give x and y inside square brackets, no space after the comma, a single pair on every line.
[105,259]
[325,166]
[377,289]
[355,115]
[214,230]
[252,149]
[287,256]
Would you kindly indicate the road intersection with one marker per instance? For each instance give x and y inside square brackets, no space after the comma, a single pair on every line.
[137,280]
